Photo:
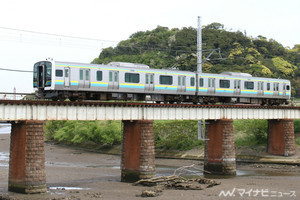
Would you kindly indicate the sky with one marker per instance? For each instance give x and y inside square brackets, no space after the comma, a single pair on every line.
[107,22]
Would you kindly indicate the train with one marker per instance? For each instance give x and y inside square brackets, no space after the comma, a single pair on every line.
[123,81]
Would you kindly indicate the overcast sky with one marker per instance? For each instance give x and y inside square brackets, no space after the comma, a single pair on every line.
[110,21]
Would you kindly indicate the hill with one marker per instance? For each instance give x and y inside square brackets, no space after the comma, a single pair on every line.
[231,51]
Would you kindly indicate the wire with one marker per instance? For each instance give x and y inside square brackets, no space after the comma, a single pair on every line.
[15,70]
[58,35]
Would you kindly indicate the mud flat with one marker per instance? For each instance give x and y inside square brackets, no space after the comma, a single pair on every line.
[79,174]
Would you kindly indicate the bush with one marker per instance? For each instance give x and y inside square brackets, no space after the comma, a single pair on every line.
[297,125]
[75,132]
[251,132]
[176,135]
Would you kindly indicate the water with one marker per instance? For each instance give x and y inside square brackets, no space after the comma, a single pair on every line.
[5,128]
[4,157]
[68,188]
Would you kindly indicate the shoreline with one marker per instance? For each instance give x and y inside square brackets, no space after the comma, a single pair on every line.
[261,157]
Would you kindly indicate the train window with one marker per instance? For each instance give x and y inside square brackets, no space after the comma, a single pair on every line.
[59,73]
[201,82]
[224,84]
[249,85]
[81,74]
[276,86]
[87,74]
[287,87]
[147,78]
[183,80]
[66,73]
[99,75]
[110,76]
[151,79]
[268,86]
[165,80]
[116,76]
[132,78]
[192,81]
[179,80]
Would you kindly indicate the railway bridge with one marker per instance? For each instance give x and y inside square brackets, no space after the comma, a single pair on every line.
[27,155]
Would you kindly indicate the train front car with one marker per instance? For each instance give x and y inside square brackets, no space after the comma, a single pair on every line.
[43,77]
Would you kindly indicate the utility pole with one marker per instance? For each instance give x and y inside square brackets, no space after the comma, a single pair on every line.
[199,70]
[199,47]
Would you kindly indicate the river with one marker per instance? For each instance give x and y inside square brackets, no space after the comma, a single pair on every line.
[5,128]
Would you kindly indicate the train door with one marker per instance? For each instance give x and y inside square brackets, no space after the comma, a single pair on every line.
[260,88]
[211,85]
[275,89]
[149,82]
[237,87]
[181,84]
[84,78]
[284,90]
[67,77]
[113,80]
[40,77]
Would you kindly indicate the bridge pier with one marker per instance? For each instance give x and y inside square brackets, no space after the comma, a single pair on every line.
[138,156]
[27,158]
[219,157]
[281,138]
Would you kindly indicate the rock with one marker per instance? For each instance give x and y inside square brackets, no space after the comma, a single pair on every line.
[149,193]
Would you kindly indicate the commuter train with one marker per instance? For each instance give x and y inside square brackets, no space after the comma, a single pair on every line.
[137,82]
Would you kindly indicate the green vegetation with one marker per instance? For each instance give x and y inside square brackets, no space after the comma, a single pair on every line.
[181,135]
[176,135]
[297,125]
[250,132]
[172,135]
[79,132]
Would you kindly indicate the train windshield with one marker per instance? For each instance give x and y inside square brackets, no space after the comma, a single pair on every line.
[42,72]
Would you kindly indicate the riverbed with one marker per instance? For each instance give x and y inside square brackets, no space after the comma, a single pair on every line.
[78,174]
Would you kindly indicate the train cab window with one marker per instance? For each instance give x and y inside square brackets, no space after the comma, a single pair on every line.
[165,80]
[99,75]
[287,87]
[224,84]
[268,86]
[59,73]
[249,85]
[192,81]
[201,82]
[81,74]
[132,78]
